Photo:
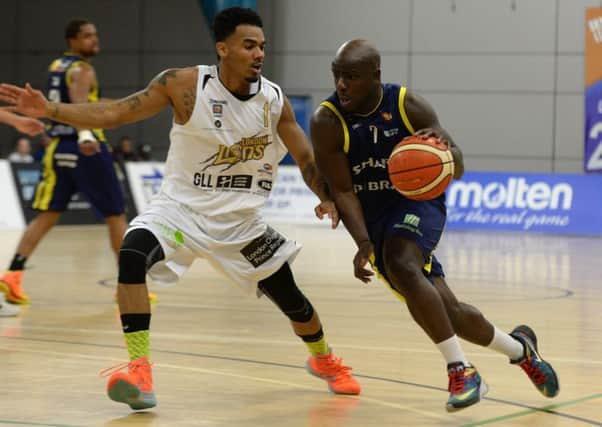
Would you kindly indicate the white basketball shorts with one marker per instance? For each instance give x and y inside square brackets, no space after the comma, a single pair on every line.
[239,245]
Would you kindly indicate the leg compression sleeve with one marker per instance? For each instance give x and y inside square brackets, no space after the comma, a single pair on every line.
[139,251]
[281,288]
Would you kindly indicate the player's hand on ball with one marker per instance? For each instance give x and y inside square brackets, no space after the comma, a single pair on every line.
[361,261]
[329,209]
[432,133]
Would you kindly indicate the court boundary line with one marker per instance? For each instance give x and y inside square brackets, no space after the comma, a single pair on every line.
[27,423]
[545,409]
[427,414]
[531,409]
[116,332]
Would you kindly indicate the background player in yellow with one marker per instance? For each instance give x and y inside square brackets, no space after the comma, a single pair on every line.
[77,159]
[231,128]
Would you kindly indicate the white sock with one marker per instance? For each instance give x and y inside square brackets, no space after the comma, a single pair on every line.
[451,350]
[505,344]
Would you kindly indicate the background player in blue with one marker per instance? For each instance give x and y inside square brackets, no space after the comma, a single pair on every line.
[76,159]
[354,132]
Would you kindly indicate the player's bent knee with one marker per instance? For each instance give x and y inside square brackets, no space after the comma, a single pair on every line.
[403,273]
[139,251]
[281,288]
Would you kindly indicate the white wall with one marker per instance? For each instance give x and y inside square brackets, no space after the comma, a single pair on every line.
[506,76]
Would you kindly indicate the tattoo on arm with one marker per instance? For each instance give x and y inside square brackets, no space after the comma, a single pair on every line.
[55,112]
[166,75]
[189,99]
[133,103]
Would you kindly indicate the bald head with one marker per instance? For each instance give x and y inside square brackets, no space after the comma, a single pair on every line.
[356,72]
[358,52]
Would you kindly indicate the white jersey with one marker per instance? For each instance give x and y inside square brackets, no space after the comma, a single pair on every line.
[225,158]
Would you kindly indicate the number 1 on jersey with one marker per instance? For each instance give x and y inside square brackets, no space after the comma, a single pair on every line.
[266,115]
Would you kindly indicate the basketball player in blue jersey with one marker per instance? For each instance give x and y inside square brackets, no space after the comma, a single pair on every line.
[231,128]
[77,159]
[354,132]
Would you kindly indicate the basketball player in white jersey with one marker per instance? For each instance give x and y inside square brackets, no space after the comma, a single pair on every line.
[230,130]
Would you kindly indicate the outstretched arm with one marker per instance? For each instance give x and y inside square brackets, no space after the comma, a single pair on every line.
[106,115]
[424,120]
[25,125]
[327,134]
[300,148]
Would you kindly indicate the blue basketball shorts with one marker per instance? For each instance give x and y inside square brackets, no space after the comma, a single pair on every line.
[419,221]
[65,172]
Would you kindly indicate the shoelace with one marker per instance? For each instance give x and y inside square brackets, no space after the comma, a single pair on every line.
[334,368]
[133,367]
[533,371]
[456,381]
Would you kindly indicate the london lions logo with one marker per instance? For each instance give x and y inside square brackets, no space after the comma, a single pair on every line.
[252,148]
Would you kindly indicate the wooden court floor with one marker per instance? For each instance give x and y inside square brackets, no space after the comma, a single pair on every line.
[224,359]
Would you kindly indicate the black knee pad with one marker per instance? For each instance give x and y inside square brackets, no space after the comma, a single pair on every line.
[140,250]
[281,288]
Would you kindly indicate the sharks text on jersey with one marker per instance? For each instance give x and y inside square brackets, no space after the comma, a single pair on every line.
[369,163]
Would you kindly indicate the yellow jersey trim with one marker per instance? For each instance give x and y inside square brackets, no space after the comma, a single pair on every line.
[332,108]
[380,100]
[402,109]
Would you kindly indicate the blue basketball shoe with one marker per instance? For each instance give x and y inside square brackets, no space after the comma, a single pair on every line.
[538,370]
[465,386]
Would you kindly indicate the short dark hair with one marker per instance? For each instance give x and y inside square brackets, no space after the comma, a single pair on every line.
[225,22]
[73,27]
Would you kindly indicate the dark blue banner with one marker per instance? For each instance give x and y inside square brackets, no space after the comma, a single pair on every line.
[550,203]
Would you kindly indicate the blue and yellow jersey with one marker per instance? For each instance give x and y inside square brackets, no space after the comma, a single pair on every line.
[59,81]
[369,141]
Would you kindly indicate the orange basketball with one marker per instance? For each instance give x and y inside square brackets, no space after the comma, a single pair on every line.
[421,168]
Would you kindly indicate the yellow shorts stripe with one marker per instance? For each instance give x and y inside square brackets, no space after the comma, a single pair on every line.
[381,277]
[46,186]
[427,268]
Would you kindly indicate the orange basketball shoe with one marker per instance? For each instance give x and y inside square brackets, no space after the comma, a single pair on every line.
[135,387]
[332,370]
[10,284]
